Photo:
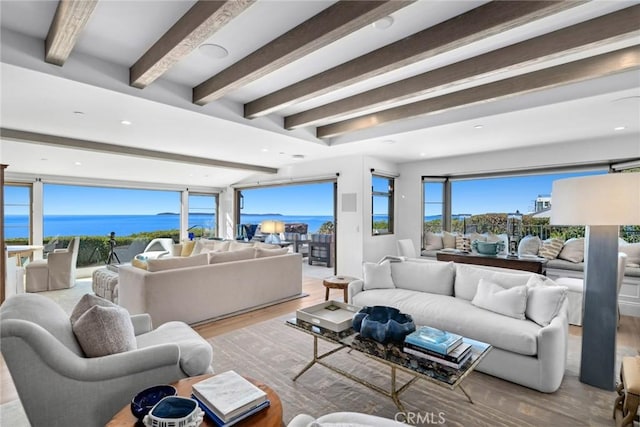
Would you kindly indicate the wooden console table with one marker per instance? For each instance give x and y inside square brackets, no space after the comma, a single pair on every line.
[526,264]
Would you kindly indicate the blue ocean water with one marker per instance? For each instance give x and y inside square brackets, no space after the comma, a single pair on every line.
[124,225]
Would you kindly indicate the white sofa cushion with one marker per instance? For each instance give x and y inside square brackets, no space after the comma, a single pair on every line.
[448,240]
[235,245]
[468,277]
[377,276]
[632,250]
[236,255]
[205,245]
[544,300]
[424,276]
[510,302]
[458,316]
[433,241]
[573,250]
[264,252]
[170,263]
[529,245]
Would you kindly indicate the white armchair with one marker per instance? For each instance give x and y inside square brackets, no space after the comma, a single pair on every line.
[58,271]
[59,386]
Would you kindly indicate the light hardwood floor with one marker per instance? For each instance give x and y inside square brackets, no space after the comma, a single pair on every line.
[628,332]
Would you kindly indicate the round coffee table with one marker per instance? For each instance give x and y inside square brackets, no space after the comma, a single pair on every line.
[337,282]
[269,417]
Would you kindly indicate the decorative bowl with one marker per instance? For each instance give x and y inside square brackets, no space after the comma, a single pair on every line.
[174,411]
[487,248]
[383,324]
[142,402]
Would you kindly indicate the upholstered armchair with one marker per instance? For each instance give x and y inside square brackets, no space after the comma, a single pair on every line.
[58,271]
[59,386]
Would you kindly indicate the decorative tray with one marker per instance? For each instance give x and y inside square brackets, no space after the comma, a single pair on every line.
[332,315]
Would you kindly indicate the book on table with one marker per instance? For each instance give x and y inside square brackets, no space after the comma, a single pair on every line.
[228,395]
[433,339]
[456,355]
[218,422]
[439,359]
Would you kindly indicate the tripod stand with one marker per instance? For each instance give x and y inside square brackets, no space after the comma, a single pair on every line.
[112,253]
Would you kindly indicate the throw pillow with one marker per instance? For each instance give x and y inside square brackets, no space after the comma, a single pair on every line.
[632,250]
[377,276]
[433,241]
[230,256]
[573,250]
[551,248]
[463,244]
[187,248]
[162,264]
[265,245]
[263,253]
[529,245]
[543,300]
[86,302]
[102,331]
[448,240]
[235,246]
[510,302]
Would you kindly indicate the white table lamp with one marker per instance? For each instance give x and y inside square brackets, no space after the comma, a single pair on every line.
[603,203]
[273,229]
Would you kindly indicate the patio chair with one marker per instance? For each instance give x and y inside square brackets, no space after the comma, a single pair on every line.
[58,271]
[59,386]
[321,249]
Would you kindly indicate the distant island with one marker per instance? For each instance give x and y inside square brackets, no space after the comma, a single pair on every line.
[213,214]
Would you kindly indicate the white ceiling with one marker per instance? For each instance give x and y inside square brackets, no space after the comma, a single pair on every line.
[42,98]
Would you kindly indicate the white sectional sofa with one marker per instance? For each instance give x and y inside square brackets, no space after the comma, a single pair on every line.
[209,285]
[443,295]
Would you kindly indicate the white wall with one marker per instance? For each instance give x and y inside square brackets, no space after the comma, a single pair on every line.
[409,185]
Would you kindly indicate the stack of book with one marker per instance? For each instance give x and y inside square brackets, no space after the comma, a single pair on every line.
[228,398]
[438,346]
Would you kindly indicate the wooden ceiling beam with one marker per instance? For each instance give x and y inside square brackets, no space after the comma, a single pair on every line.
[479,23]
[102,147]
[195,27]
[68,22]
[624,23]
[586,69]
[333,23]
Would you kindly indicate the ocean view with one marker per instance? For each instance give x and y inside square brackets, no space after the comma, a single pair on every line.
[16,226]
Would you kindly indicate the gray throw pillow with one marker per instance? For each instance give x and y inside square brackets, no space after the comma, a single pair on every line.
[102,331]
[86,302]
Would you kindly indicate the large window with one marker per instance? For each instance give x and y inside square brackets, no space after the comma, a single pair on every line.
[382,204]
[17,213]
[203,214]
[433,209]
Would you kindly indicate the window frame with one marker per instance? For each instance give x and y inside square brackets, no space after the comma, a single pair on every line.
[390,194]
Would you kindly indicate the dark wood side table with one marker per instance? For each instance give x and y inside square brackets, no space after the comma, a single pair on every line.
[269,417]
[337,282]
[526,264]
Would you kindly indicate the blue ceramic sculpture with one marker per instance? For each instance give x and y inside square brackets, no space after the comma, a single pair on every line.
[383,324]
[142,402]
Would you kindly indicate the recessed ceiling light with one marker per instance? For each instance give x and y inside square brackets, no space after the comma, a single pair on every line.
[44,159]
[214,51]
[383,23]
[423,154]
[388,141]
[298,156]
[79,113]
[619,128]
[478,127]
[125,122]
[77,163]
[264,150]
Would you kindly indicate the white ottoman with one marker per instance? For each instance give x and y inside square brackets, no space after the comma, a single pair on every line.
[105,283]
[575,288]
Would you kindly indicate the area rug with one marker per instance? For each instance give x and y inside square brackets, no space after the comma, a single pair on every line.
[274,353]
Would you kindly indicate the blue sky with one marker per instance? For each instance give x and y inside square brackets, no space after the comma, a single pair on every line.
[473,197]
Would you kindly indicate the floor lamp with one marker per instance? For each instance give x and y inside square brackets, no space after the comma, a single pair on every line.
[603,203]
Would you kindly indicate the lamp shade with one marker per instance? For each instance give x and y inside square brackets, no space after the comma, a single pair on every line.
[611,199]
[270,226]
